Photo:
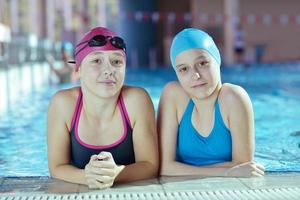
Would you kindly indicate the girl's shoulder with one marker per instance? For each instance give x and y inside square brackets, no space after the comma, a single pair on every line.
[233,98]
[135,96]
[174,88]
[64,101]
[231,93]
[134,93]
[66,95]
[174,97]
[137,102]
[174,91]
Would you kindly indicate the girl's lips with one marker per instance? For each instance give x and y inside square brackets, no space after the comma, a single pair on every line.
[107,82]
[198,85]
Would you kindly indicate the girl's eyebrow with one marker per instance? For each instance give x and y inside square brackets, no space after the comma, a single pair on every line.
[117,54]
[201,57]
[177,66]
[96,53]
[197,58]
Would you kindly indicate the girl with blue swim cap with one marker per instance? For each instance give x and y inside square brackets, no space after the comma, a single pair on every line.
[205,127]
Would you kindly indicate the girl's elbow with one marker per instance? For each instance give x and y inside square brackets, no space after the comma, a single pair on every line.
[166,173]
[153,171]
[165,170]
[54,172]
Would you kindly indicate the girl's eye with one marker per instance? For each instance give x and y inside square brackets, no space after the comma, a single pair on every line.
[183,69]
[202,64]
[97,61]
[117,62]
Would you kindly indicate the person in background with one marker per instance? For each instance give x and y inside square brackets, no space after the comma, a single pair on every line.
[66,73]
[105,132]
[205,128]
[239,44]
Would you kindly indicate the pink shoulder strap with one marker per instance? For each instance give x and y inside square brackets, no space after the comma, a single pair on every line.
[79,98]
[124,110]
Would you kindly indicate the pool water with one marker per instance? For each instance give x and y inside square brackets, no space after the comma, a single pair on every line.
[274,90]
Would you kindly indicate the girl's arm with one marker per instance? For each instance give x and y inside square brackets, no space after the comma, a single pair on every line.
[58,140]
[240,123]
[144,139]
[167,130]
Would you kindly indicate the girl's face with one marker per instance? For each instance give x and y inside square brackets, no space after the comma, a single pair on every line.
[103,72]
[197,72]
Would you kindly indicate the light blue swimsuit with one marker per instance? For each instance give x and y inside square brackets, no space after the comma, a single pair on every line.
[194,149]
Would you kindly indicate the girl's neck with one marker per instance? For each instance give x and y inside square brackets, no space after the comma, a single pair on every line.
[97,108]
[208,102]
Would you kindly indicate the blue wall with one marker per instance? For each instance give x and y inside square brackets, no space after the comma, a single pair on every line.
[139,35]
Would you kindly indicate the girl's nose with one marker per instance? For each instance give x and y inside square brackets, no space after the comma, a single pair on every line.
[196,75]
[108,72]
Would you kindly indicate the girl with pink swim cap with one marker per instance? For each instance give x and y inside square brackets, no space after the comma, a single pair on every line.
[105,132]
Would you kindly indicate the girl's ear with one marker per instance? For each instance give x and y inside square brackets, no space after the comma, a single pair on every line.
[79,71]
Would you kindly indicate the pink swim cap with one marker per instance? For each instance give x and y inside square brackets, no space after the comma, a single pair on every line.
[83,49]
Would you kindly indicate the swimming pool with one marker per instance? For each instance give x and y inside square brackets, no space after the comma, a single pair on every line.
[274,90]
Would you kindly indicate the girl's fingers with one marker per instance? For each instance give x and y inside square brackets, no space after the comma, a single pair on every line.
[103,164]
[260,166]
[256,174]
[100,171]
[100,185]
[93,157]
[104,155]
[259,171]
[97,184]
[104,179]
[92,184]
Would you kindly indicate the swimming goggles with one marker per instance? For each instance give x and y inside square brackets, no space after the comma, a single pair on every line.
[101,40]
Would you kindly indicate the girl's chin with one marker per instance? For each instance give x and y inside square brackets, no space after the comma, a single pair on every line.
[108,93]
[200,95]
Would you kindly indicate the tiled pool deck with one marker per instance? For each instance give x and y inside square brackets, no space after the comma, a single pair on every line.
[284,185]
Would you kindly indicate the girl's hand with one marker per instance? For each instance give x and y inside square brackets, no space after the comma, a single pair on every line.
[101,171]
[106,159]
[93,175]
[246,170]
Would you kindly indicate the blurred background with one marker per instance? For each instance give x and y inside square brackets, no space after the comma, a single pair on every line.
[258,39]
[31,28]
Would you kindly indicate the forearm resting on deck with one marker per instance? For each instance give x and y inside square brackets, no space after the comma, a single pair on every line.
[69,173]
[137,171]
[180,169]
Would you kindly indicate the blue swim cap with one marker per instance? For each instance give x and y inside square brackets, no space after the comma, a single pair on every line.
[192,38]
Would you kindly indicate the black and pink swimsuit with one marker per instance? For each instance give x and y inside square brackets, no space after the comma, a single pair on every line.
[121,150]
